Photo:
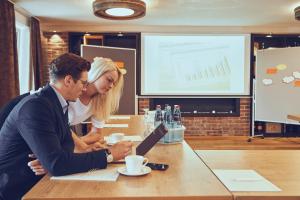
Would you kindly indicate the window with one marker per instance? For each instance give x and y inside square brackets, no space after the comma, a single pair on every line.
[23,46]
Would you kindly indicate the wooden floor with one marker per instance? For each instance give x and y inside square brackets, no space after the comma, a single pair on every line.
[241,142]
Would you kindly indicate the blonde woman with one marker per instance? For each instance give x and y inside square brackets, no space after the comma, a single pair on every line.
[102,95]
[99,100]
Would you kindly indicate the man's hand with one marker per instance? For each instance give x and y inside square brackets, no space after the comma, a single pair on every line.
[121,150]
[98,146]
[36,166]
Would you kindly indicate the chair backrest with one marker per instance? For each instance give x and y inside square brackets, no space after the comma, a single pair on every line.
[7,108]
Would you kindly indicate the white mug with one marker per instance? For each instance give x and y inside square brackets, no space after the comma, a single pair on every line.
[135,163]
[116,137]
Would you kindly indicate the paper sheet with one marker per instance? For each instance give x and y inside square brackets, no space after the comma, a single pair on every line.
[119,117]
[132,138]
[115,125]
[245,181]
[108,174]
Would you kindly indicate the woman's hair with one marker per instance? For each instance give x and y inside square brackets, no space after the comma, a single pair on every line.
[103,105]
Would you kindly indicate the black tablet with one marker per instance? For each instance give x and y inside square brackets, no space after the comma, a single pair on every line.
[151,140]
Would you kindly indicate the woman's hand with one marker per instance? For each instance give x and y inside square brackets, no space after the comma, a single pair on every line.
[36,166]
[92,142]
[92,137]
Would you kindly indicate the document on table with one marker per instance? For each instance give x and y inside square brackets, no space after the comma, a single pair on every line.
[245,181]
[115,125]
[119,117]
[108,174]
[132,138]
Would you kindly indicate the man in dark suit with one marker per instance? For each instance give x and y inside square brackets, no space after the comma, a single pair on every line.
[39,124]
[6,109]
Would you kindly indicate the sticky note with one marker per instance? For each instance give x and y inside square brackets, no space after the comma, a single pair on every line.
[267,81]
[272,70]
[281,67]
[297,83]
[296,75]
[288,79]
[120,64]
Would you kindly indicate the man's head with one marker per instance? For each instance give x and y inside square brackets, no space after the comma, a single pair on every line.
[68,73]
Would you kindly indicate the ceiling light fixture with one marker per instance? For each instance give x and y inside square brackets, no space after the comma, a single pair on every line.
[269,35]
[119,9]
[297,13]
[120,34]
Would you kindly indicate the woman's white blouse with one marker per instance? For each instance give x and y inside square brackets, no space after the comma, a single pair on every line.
[78,112]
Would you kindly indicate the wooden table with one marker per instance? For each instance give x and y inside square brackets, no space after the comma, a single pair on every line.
[281,167]
[187,178]
[135,125]
[294,117]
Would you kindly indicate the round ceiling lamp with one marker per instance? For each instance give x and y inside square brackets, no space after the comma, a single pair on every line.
[119,9]
[297,13]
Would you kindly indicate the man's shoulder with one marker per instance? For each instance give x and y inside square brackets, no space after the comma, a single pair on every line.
[39,100]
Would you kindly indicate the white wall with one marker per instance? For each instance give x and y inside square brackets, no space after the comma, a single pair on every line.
[21,18]
[171,29]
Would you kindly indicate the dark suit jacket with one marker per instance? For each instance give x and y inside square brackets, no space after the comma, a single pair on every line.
[37,125]
[6,109]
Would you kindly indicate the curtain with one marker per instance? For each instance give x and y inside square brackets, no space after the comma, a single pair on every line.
[36,53]
[9,79]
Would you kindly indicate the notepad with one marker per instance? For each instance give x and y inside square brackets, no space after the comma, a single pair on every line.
[132,138]
[108,174]
[115,125]
[245,181]
[119,117]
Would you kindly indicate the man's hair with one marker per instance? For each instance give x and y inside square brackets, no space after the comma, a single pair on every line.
[68,64]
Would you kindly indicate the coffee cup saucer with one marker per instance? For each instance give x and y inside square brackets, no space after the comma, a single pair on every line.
[109,143]
[145,170]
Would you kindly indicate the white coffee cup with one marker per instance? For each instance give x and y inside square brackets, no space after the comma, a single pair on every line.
[116,137]
[135,163]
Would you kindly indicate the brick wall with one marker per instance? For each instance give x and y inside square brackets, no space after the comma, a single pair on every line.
[143,103]
[53,45]
[208,126]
